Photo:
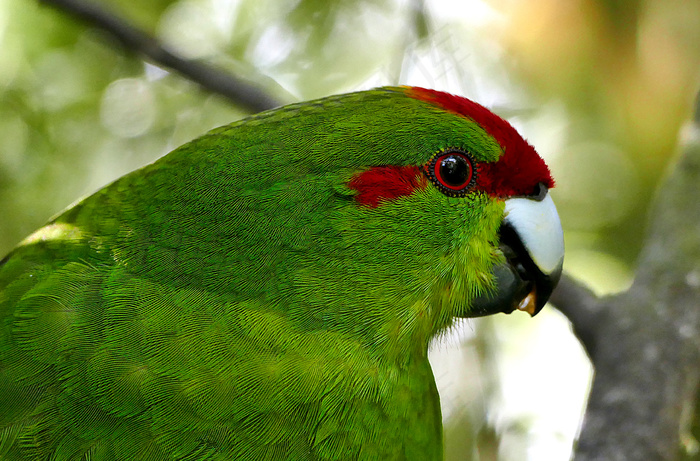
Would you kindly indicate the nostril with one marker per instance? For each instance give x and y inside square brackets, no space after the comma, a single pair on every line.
[540,192]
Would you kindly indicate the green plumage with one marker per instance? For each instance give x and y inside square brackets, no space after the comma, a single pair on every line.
[232,301]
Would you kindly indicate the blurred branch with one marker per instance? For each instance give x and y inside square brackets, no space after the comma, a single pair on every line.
[137,40]
[644,343]
[583,309]
[419,20]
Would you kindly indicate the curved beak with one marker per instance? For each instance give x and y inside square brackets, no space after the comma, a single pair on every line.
[532,241]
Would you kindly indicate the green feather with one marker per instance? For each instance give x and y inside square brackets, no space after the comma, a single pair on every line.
[233,301]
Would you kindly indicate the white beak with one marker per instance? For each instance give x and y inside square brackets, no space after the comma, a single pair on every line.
[537,224]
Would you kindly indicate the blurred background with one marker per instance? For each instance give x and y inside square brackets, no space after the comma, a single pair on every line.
[602,88]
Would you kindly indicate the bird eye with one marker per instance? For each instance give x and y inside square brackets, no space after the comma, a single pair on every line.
[453,172]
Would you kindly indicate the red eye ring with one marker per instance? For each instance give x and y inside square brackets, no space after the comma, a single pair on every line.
[452,171]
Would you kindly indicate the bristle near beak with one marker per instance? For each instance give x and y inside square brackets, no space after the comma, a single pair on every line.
[532,241]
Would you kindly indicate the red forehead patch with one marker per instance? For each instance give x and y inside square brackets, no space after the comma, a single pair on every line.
[519,169]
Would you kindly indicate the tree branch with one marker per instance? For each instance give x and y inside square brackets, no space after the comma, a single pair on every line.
[584,310]
[138,41]
[647,355]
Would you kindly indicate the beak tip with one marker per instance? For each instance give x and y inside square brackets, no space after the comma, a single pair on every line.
[529,303]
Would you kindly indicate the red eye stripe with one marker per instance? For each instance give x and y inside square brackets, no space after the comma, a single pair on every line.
[384,183]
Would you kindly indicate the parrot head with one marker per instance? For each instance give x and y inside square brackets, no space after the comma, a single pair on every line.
[492,190]
[530,234]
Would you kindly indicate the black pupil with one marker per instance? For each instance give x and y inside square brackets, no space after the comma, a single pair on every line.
[454,170]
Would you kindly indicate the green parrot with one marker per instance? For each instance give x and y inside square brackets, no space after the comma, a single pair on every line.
[269,290]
